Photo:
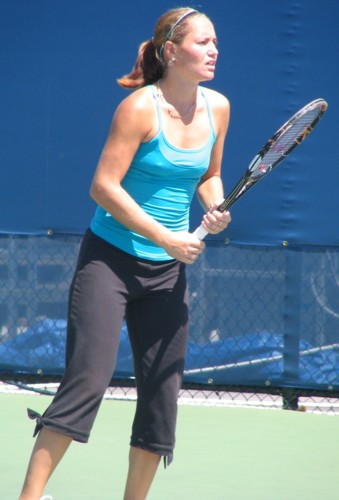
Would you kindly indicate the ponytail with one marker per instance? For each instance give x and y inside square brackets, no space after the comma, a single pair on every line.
[147,69]
[150,65]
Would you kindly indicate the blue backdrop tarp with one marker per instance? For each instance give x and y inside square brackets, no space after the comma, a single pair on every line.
[254,359]
[59,61]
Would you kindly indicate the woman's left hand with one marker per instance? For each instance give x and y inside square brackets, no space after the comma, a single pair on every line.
[215,221]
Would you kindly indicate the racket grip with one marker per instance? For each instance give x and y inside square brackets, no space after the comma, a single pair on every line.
[200,233]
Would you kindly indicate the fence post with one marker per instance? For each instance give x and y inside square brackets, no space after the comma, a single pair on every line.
[292,327]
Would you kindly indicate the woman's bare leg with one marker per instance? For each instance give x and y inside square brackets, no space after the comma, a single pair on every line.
[48,450]
[142,468]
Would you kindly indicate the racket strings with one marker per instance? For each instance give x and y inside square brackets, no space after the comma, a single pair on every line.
[278,147]
[291,135]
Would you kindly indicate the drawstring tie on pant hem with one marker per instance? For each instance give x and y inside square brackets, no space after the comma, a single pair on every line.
[33,415]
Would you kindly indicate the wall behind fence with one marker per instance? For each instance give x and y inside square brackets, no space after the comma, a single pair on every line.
[59,62]
[260,315]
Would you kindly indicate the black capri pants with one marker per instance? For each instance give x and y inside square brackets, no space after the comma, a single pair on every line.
[109,286]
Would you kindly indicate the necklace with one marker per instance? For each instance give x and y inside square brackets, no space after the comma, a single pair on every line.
[172,112]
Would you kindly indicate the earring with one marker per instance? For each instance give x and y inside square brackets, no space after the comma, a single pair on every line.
[172,61]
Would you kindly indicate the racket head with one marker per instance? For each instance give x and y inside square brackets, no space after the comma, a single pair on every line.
[289,135]
[278,147]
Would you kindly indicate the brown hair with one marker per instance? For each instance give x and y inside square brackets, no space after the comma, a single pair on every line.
[150,65]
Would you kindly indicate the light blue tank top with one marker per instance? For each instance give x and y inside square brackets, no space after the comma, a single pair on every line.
[162,179]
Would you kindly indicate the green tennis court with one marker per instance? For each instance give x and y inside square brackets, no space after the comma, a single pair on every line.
[222,453]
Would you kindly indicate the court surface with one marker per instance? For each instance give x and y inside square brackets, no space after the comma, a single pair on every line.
[222,453]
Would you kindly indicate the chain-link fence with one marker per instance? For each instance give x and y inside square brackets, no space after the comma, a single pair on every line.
[264,320]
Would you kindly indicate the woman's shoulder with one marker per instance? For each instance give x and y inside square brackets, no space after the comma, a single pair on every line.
[216,99]
[220,108]
[139,100]
[136,112]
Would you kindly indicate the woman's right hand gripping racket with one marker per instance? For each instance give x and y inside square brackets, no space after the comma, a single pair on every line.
[278,147]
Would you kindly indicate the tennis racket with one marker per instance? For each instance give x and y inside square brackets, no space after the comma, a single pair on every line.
[278,147]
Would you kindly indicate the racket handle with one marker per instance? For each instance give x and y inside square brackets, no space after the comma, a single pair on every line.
[200,233]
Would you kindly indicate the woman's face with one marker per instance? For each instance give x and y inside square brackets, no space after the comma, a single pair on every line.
[197,53]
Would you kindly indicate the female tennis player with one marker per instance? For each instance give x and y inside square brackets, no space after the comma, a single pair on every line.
[165,143]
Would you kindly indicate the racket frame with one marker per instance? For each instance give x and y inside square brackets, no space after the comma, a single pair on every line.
[249,179]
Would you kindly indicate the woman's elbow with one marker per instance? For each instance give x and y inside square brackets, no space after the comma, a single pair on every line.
[102,190]
[92,191]
[96,191]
